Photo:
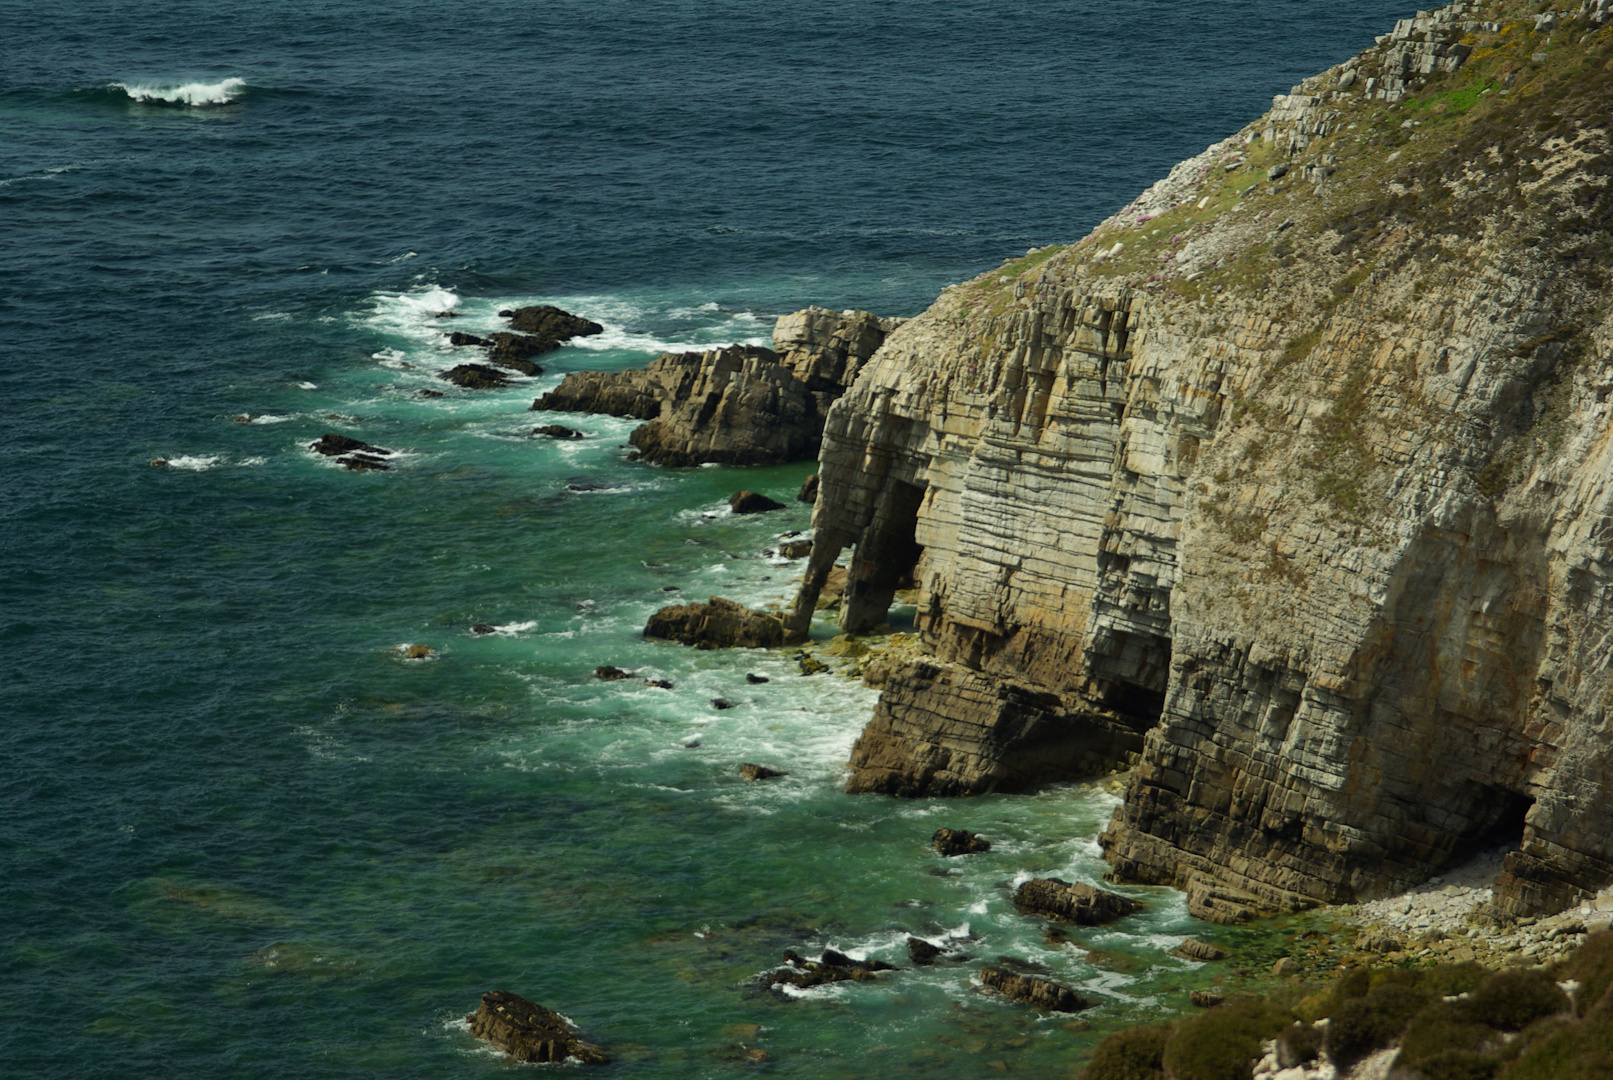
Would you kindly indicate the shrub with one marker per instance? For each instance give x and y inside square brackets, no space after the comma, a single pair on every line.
[1224,1043]
[1362,1025]
[1441,1029]
[1559,1050]
[1297,1044]
[1592,967]
[1460,1065]
[1133,1054]
[1449,979]
[1512,1000]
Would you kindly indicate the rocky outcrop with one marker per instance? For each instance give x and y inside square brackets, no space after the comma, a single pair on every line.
[1042,993]
[542,330]
[1299,463]
[550,323]
[832,967]
[719,624]
[1075,902]
[951,842]
[741,405]
[351,453]
[942,729]
[475,377]
[528,1032]
[752,502]
[759,772]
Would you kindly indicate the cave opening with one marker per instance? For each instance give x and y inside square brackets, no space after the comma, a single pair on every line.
[886,558]
[1499,822]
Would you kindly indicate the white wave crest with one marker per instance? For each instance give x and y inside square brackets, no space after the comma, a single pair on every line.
[194,94]
[194,464]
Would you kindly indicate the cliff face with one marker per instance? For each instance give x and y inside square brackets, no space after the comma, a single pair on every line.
[1299,465]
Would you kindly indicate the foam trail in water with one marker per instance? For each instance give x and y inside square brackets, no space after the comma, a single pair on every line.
[194,94]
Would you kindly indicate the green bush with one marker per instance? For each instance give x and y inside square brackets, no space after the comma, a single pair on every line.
[1592,967]
[1224,1043]
[1512,1000]
[1460,1065]
[1444,1028]
[1133,1054]
[1362,1025]
[1297,1043]
[1449,979]
[1559,1050]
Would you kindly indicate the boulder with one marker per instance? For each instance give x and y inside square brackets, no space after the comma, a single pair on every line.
[1043,993]
[720,703]
[482,628]
[1205,999]
[611,674]
[516,351]
[755,679]
[557,431]
[833,967]
[528,1032]
[759,772]
[363,462]
[1377,941]
[462,339]
[958,842]
[922,952]
[809,490]
[1200,950]
[1079,902]
[546,321]
[750,502]
[333,445]
[659,684]
[795,549]
[475,377]
[418,652]
[719,624]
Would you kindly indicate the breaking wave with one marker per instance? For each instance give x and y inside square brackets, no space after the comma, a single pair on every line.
[193,94]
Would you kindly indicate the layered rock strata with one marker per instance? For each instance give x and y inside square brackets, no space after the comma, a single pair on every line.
[1299,464]
[529,1032]
[742,405]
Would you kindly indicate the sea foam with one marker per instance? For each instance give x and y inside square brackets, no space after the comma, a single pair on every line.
[193,94]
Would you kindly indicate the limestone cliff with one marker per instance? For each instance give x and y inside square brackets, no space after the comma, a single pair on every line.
[1302,465]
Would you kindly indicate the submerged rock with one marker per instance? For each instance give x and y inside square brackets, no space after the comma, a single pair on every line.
[529,1032]
[1043,993]
[482,628]
[475,377]
[363,462]
[756,680]
[1075,902]
[333,445]
[958,842]
[760,772]
[923,952]
[610,673]
[1200,950]
[750,502]
[557,431]
[418,652]
[834,966]
[719,624]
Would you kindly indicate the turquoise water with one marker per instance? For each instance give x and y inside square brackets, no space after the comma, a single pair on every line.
[241,833]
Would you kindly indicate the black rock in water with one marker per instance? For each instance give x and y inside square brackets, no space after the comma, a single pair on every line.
[749,502]
[958,842]
[333,445]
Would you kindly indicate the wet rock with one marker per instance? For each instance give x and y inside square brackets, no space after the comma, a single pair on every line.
[462,339]
[429,393]
[158,463]
[475,377]
[610,674]
[418,652]
[1078,902]
[749,502]
[333,445]
[923,952]
[1042,993]
[529,1032]
[1200,950]
[760,772]
[795,549]
[557,431]
[551,323]
[810,665]
[482,628]
[958,842]
[1206,999]
[756,680]
[833,967]
[809,490]
[659,684]
[515,351]
[363,462]
[718,624]
[721,703]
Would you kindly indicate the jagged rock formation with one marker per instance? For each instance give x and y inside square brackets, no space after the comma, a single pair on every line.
[719,624]
[1043,993]
[741,405]
[543,329]
[1075,902]
[529,1032]
[1299,464]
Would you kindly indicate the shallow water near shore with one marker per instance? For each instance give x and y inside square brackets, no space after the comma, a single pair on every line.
[241,833]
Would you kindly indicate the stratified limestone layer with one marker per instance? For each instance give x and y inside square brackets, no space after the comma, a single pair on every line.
[944,730]
[1303,461]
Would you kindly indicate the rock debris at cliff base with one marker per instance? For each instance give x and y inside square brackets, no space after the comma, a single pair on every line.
[1298,464]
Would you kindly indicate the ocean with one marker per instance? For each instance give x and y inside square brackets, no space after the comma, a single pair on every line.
[241,833]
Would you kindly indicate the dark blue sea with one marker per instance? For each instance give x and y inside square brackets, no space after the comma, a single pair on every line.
[241,833]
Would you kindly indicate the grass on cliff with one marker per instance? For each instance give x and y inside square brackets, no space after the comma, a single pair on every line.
[1454,1022]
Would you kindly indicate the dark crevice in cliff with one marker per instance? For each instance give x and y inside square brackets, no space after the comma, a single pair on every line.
[886,556]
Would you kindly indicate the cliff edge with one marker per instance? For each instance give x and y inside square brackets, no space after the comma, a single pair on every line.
[1290,482]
